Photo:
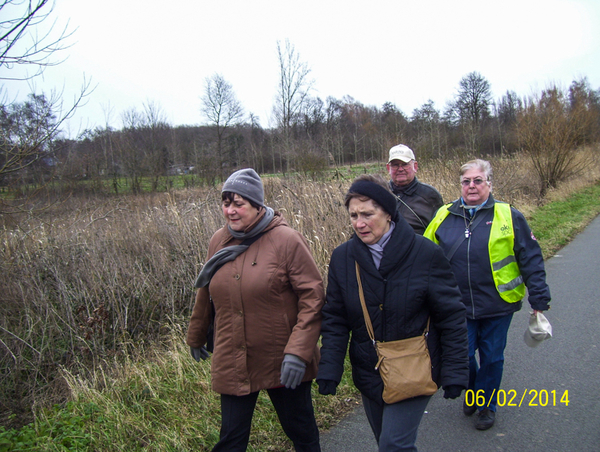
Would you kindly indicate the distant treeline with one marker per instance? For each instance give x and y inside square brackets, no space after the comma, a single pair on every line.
[320,135]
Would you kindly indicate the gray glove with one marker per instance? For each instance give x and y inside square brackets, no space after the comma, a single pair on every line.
[292,371]
[199,353]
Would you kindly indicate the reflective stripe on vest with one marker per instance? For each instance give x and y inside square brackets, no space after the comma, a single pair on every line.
[505,270]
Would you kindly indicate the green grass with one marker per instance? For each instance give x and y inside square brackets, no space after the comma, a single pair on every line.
[58,429]
[162,402]
[556,223]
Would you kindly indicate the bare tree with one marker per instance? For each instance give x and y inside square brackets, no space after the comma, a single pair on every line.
[474,98]
[144,145]
[158,139]
[21,43]
[505,116]
[583,99]
[27,132]
[292,94]
[471,107]
[130,148]
[258,138]
[221,107]
[508,107]
[108,150]
[427,126]
[395,127]
[29,128]
[550,129]
[294,85]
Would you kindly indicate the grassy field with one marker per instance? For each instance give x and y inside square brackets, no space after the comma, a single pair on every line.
[97,294]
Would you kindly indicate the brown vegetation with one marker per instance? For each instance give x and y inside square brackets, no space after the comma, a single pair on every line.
[88,281]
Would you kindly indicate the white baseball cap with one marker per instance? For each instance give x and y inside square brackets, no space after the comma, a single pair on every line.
[401,152]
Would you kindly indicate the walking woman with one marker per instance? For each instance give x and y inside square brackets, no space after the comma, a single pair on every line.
[495,258]
[406,281]
[266,293]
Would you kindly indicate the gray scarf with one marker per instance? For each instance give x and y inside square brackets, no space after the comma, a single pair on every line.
[229,253]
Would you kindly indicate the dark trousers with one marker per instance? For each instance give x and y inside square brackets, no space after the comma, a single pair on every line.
[395,425]
[295,411]
[488,336]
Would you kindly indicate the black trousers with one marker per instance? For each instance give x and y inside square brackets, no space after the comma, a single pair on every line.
[295,411]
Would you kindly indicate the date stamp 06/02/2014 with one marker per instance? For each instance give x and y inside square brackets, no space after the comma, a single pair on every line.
[512,397]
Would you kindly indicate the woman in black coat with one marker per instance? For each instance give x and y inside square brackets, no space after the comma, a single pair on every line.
[406,279]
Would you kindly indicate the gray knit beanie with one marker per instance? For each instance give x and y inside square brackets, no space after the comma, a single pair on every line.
[246,183]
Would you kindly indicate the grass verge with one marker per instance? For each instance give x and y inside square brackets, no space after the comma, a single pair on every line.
[161,402]
[555,224]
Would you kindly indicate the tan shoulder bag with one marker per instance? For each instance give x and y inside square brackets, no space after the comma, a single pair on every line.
[404,365]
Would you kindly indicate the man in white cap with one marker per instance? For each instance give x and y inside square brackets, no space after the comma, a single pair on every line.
[417,202]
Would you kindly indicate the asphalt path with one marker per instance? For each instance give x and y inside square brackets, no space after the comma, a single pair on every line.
[568,363]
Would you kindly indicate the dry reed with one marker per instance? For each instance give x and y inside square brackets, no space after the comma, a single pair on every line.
[87,282]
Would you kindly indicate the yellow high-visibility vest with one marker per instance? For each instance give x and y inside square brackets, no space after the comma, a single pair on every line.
[505,270]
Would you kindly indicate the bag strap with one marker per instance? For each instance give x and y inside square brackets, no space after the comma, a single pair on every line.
[364,305]
[368,323]
[413,212]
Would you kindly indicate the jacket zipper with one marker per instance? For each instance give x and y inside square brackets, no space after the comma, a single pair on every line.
[469,275]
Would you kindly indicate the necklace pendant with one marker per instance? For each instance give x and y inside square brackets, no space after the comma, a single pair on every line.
[467,233]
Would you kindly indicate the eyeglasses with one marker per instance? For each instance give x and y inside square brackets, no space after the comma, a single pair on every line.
[396,165]
[467,182]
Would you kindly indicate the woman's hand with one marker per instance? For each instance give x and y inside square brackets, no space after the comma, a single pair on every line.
[452,391]
[327,387]
[199,353]
[292,371]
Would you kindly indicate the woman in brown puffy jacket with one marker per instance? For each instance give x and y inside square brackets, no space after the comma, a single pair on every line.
[262,291]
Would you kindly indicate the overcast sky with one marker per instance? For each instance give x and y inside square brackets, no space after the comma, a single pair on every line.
[398,51]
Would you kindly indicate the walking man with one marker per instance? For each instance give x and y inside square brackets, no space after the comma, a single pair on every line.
[417,202]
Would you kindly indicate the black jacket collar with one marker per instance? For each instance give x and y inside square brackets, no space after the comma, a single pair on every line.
[409,189]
